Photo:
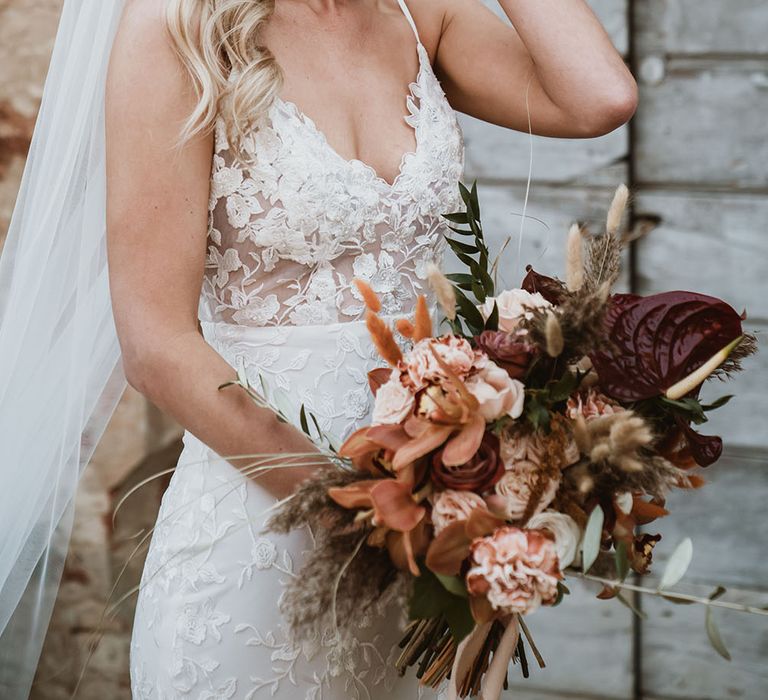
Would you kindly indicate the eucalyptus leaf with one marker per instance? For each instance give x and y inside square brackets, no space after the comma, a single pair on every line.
[678,564]
[593,535]
[622,561]
[714,635]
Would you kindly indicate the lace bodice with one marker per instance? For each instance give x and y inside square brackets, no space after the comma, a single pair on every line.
[292,222]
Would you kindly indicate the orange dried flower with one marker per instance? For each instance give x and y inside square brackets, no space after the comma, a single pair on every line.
[405,327]
[372,301]
[422,320]
[383,339]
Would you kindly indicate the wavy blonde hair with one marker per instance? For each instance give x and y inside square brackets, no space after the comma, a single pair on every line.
[234,76]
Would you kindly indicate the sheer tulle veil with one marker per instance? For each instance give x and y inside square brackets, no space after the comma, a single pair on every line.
[60,370]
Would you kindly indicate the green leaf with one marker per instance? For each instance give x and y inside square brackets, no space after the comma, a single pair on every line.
[678,564]
[562,389]
[461,231]
[714,635]
[469,312]
[459,247]
[453,584]
[473,199]
[431,599]
[562,591]
[718,403]
[303,419]
[492,322]
[458,217]
[593,535]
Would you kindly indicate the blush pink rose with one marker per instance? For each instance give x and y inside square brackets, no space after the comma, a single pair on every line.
[496,392]
[451,506]
[393,403]
[457,353]
[516,570]
[514,305]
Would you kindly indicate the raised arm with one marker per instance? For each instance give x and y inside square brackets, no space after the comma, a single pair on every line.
[577,83]
[157,226]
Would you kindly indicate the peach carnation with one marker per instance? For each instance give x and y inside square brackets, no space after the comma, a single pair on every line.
[451,506]
[591,404]
[516,570]
[393,401]
[422,366]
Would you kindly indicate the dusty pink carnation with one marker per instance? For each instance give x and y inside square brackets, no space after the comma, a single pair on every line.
[451,506]
[514,490]
[496,392]
[516,570]
[590,404]
[393,401]
[457,353]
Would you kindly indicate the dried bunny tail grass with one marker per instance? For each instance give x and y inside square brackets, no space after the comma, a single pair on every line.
[422,321]
[444,291]
[371,300]
[603,261]
[310,501]
[554,335]
[310,599]
[405,328]
[616,211]
[574,259]
[383,339]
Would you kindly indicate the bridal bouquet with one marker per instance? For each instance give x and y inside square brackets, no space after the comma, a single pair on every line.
[529,442]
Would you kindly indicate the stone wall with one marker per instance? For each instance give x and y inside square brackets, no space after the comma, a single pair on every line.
[695,159]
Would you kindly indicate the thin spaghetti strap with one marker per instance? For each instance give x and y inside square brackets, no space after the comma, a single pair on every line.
[408,16]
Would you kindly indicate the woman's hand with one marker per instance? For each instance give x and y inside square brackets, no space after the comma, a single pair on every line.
[556,56]
[157,221]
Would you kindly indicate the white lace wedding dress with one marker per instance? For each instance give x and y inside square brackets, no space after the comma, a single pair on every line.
[288,233]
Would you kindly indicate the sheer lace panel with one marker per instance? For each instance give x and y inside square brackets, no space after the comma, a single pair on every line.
[292,222]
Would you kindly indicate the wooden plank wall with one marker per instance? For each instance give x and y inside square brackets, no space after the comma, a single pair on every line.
[696,158]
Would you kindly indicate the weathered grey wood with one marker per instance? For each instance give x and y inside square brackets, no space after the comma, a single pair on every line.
[587,646]
[702,121]
[552,210]
[679,662]
[493,152]
[715,244]
[693,26]
[725,520]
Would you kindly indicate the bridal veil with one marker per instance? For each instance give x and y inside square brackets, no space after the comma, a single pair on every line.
[60,371]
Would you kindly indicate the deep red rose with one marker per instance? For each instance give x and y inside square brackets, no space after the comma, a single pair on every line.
[655,341]
[478,474]
[506,351]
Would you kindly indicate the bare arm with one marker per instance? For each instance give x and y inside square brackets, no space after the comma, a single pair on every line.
[157,227]
[578,85]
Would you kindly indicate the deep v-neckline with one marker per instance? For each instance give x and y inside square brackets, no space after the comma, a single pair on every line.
[292,109]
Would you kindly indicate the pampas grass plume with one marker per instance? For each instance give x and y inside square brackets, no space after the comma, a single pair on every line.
[554,335]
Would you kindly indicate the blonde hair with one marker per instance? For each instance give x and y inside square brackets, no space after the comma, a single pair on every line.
[234,76]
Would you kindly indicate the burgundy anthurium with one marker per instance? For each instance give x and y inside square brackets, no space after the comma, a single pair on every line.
[653,342]
[553,290]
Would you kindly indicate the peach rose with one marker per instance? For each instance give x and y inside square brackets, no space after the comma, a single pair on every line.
[514,305]
[393,401]
[457,353]
[516,570]
[565,531]
[496,392]
[515,487]
[452,506]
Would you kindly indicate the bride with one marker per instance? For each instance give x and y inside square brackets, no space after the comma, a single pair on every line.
[259,156]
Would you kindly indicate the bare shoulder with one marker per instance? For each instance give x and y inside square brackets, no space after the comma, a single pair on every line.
[430,18]
[144,67]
